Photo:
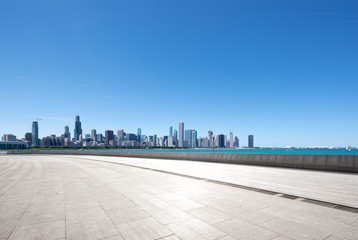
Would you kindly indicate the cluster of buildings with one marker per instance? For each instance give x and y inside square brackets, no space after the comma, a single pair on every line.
[181,138]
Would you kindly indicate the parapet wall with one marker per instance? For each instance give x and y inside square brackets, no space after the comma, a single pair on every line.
[328,162]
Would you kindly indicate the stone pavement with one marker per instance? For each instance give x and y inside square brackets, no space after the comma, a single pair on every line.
[63,197]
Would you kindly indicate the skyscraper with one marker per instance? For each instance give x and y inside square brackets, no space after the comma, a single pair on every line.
[28,138]
[251,141]
[231,140]
[93,134]
[35,134]
[181,134]
[236,144]
[211,140]
[194,139]
[171,131]
[139,135]
[67,133]
[188,138]
[108,136]
[120,136]
[155,140]
[78,129]
[221,140]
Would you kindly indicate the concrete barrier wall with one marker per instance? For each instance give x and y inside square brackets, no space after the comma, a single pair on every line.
[340,163]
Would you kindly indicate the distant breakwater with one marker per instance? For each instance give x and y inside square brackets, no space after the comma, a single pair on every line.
[327,162]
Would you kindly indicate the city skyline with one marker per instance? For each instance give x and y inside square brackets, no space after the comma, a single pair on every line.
[284,71]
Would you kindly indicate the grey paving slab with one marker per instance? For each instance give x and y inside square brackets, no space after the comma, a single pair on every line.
[35,215]
[295,230]
[48,231]
[144,229]
[7,227]
[194,229]
[128,214]
[209,215]
[240,229]
[167,215]
[95,229]
[116,203]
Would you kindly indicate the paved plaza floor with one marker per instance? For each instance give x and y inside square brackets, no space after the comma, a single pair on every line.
[90,197]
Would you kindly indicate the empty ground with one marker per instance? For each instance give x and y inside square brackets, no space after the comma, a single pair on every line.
[90,197]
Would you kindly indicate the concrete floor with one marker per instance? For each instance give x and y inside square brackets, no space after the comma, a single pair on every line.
[78,197]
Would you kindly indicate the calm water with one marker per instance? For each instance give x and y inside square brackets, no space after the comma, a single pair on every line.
[277,150]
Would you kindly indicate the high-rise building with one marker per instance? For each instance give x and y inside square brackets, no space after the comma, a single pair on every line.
[221,140]
[231,140]
[251,141]
[67,133]
[181,134]
[210,138]
[93,134]
[139,135]
[188,138]
[131,137]
[171,131]
[194,139]
[99,138]
[78,129]
[108,136]
[155,140]
[120,136]
[28,138]
[236,144]
[35,134]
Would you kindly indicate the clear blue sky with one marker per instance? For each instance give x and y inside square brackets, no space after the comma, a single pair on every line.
[284,71]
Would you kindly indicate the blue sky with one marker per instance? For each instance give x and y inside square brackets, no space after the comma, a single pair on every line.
[284,71]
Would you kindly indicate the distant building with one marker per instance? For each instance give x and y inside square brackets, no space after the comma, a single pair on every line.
[194,138]
[28,138]
[131,137]
[221,140]
[188,138]
[181,135]
[236,144]
[139,135]
[9,138]
[99,138]
[120,136]
[108,136]
[78,129]
[67,133]
[35,134]
[251,141]
[13,145]
[155,140]
[231,140]
[93,134]
[171,131]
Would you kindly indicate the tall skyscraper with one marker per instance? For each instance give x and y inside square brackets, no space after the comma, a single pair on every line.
[236,144]
[120,136]
[155,140]
[35,134]
[78,129]
[139,135]
[251,141]
[67,133]
[93,134]
[181,134]
[108,136]
[210,138]
[194,139]
[171,131]
[188,138]
[231,140]
[221,140]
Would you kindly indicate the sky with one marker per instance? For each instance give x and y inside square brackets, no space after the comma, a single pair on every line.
[284,71]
